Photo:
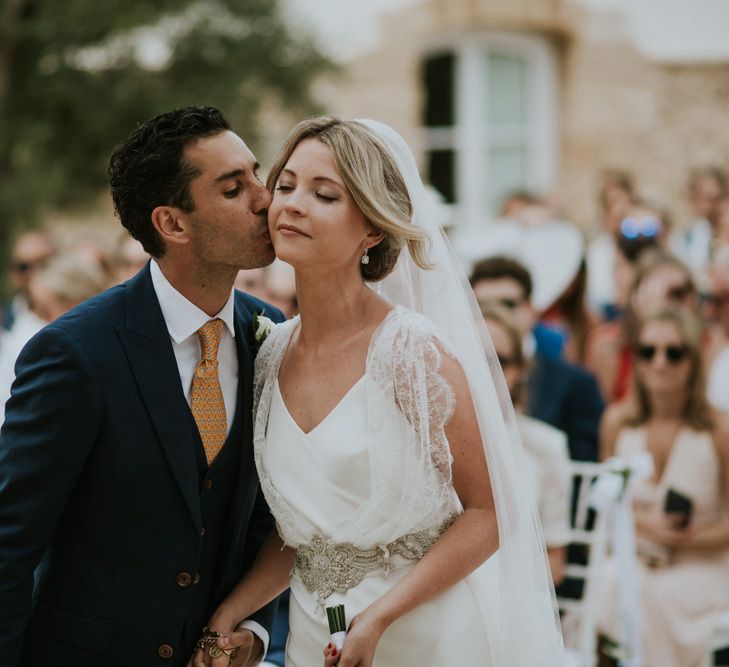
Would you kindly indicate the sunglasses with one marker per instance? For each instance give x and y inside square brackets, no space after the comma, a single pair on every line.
[716,300]
[675,354]
[646,227]
[679,292]
[506,303]
[504,362]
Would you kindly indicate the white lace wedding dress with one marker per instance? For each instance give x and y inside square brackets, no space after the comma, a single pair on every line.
[361,499]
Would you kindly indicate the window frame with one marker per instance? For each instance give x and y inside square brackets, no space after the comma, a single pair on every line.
[471,137]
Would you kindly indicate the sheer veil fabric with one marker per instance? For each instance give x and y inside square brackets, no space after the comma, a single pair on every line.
[410,485]
[517,591]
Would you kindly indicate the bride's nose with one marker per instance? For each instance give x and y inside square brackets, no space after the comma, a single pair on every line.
[294,204]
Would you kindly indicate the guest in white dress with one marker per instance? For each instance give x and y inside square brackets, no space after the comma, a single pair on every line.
[682,559]
[381,436]
[545,446]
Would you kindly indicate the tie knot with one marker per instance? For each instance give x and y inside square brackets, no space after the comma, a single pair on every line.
[209,335]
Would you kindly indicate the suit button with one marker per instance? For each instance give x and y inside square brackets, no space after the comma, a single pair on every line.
[184,579]
[208,484]
[165,651]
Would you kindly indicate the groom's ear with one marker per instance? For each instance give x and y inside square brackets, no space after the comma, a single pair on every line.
[171,224]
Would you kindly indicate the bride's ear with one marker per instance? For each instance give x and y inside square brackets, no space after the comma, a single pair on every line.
[373,237]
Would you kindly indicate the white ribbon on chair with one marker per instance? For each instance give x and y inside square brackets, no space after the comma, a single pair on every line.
[611,489]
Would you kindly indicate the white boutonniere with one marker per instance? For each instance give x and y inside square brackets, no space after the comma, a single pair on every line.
[262,327]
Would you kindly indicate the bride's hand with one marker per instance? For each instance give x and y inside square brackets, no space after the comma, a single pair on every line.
[359,646]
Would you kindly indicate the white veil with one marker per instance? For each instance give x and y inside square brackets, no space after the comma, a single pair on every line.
[523,624]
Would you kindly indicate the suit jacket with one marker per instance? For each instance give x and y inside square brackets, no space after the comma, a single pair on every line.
[100,511]
[568,398]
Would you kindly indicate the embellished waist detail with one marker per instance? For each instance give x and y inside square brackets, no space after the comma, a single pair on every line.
[326,567]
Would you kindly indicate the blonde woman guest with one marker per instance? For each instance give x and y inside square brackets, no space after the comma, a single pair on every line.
[380,440]
[64,282]
[544,445]
[683,559]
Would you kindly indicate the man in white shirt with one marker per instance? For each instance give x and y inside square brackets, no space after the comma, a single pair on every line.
[129,501]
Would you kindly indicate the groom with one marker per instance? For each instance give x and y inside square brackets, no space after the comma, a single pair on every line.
[129,501]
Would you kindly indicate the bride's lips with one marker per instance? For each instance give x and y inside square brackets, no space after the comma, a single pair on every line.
[290,230]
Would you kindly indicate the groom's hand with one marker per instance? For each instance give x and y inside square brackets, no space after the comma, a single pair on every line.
[249,645]
[248,651]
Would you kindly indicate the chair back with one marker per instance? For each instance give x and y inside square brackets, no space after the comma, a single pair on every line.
[588,530]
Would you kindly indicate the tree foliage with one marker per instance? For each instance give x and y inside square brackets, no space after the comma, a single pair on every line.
[77,75]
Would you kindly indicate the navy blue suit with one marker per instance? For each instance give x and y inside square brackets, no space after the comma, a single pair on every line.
[568,398]
[116,539]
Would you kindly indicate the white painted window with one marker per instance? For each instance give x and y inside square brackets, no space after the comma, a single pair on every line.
[490,120]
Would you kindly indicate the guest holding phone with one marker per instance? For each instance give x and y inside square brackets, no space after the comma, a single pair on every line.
[682,513]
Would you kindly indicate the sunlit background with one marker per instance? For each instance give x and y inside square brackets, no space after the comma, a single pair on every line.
[495,96]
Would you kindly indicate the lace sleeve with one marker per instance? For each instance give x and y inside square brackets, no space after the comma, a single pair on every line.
[408,354]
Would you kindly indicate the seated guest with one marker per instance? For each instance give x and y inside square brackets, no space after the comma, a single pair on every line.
[30,251]
[563,395]
[616,198]
[682,513]
[717,312]
[64,282]
[658,279]
[544,445]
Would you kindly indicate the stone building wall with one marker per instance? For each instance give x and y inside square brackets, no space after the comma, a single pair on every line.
[617,109]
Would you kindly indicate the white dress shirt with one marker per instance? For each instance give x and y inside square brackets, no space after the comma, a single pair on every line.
[183,318]
[547,457]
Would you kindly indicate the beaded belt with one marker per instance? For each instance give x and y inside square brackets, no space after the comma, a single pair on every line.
[324,567]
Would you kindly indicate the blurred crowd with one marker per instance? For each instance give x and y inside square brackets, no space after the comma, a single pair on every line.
[618,346]
[613,341]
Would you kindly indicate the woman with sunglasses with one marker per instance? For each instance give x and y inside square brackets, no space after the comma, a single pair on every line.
[682,513]
[650,279]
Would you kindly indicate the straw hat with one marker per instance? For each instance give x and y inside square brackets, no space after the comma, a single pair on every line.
[551,252]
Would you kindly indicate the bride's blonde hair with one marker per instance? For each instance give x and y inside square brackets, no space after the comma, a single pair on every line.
[374,183]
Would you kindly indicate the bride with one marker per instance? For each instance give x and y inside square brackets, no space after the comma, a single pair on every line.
[383,442]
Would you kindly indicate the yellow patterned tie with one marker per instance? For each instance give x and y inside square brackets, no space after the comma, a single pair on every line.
[208,407]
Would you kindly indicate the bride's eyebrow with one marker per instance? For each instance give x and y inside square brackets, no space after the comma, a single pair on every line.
[291,172]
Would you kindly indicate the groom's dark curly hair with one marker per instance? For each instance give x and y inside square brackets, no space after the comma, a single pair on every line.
[149,169]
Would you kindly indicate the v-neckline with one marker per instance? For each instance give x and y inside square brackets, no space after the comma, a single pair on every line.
[326,417]
[376,331]
[657,480]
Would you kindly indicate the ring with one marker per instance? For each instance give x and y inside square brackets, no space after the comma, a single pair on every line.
[230,652]
[215,651]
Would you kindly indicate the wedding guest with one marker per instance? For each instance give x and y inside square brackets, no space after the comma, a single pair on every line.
[659,279]
[30,251]
[129,258]
[570,316]
[707,187]
[56,288]
[544,445]
[721,227]
[682,558]
[717,312]
[616,197]
[253,282]
[559,393]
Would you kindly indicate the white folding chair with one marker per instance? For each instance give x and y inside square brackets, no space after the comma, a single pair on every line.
[589,528]
[720,637]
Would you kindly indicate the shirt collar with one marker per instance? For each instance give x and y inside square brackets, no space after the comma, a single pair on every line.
[182,317]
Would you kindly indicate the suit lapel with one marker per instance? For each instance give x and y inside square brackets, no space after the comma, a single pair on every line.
[148,348]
